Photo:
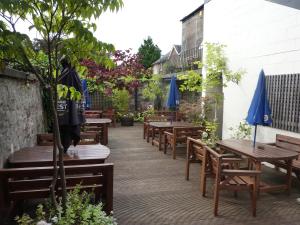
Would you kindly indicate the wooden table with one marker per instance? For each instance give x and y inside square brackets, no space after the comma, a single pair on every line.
[39,156]
[161,127]
[102,123]
[262,153]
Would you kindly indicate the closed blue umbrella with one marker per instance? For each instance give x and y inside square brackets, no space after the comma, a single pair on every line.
[259,112]
[173,98]
[87,104]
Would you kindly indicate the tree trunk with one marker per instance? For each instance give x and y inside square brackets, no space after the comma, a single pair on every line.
[60,148]
[135,99]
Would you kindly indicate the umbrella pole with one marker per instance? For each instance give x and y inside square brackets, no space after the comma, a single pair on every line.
[254,135]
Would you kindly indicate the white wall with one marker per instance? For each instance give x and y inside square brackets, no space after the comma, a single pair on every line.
[258,34]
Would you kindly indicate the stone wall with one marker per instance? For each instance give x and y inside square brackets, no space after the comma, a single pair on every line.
[21,112]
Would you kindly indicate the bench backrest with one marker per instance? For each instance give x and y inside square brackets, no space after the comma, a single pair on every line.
[34,182]
[184,132]
[86,138]
[289,143]
[196,147]
[92,114]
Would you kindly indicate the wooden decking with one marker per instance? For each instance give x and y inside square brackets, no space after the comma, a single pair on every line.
[150,188]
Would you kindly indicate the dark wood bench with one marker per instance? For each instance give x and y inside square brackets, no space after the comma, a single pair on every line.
[180,135]
[93,113]
[292,144]
[86,138]
[19,184]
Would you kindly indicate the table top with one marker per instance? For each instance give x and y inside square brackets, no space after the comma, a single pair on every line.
[169,124]
[262,152]
[42,155]
[97,120]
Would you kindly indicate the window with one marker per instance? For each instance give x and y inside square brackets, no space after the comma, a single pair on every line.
[284,97]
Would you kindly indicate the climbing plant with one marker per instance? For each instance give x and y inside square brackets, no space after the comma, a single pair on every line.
[65,27]
[217,75]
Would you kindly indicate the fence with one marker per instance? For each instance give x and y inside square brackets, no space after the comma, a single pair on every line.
[100,101]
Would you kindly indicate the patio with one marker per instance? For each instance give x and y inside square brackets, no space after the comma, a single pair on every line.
[149,188]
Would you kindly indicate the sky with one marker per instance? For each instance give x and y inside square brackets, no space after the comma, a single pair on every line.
[139,19]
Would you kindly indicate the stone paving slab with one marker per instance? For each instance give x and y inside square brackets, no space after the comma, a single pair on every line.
[150,189]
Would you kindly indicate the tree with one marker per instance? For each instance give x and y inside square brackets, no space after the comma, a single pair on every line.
[149,52]
[127,72]
[65,28]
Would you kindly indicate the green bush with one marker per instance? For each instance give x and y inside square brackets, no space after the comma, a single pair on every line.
[79,211]
[120,100]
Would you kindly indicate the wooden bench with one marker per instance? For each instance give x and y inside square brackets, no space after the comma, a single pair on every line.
[194,153]
[292,144]
[229,179]
[19,184]
[86,138]
[180,135]
[93,113]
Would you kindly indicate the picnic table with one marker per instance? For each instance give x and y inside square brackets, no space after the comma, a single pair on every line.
[101,123]
[262,153]
[40,156]
[161,127]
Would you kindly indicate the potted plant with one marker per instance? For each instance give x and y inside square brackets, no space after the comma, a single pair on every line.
[120,101]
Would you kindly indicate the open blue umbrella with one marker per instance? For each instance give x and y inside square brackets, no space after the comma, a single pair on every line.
[173,98]
[87,99]
[259,112]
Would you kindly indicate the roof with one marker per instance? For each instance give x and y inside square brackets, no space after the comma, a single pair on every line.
[177,48]
[192,13]
[166,57]
[163,58]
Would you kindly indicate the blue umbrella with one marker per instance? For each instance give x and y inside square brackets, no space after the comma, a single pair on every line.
[86,94]
[259,112]
[173,98]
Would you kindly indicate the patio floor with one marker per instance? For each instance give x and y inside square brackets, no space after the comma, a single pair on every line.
[150,188]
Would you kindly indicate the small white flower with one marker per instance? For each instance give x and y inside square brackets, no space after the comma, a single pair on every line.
[54,219]
[204,134]
[43,222]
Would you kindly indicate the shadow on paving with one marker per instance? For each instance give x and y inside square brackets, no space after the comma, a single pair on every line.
[150,188]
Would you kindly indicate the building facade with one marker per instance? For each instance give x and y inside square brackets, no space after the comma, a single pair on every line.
[259,34]
[192,36]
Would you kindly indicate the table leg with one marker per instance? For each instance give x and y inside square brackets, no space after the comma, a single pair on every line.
[153,133]
[105,134]
[148,134]
[258,168]
[160,139]
[289,176]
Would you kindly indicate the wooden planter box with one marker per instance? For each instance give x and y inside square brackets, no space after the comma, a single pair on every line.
[126,121]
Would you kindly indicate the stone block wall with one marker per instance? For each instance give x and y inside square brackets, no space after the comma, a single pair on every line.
[21,112]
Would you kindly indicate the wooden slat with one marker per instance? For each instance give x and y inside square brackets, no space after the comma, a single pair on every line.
[41,183]
[28,183]
[44,193]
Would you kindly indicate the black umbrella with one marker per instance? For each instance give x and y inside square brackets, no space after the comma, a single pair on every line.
[70,112]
